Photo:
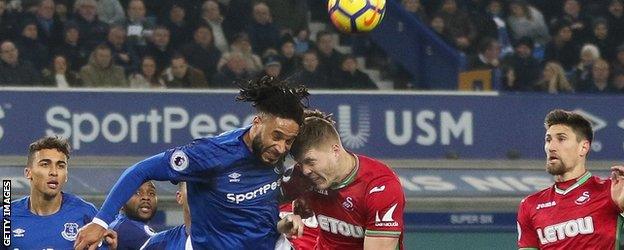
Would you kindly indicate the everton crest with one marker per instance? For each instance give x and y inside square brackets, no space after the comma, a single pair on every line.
[70,231]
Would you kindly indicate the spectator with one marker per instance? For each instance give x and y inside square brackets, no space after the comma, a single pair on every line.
[92,30]
[439,27]
[290,62]
[618,64]
[14,71]
[302,41]
[202,53]
[179,29]
[62,11]
[49,26]
[579,23]
[263,34]
[416,9]
[211,15]
[525,20]
[148,76]
[521,68]
[181,75]
[101,71]
[554,80]
[124,54]
[8,23]
[110,12]
[159,46]
[491,23]
[138,26]
[487,58]
[272,67]
[602,39]
[75,54]
[287,14]
[234,70]
[615,19]
[350,77]
[561,48]
[583,71]
[60,75]
[31,49]
[599,82]
[242,45]
[329,58]
[309,75]
[618,82]
[458,23]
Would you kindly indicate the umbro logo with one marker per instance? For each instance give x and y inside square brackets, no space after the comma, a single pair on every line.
[18,233]
[234,177]
[377,189]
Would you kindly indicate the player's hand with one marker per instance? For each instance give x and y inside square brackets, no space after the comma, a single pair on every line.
[301,208]
[89,236]
[111,239]
[617,185]
[292,226]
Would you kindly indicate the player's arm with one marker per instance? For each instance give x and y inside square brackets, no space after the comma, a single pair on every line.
[385,202]
[182,164]
[617,186]
[380,243]
[527,236]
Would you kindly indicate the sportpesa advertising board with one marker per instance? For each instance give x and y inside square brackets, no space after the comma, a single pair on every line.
[384,125]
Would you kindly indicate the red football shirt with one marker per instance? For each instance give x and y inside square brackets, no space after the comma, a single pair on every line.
[369,202]
[310,231]
[581,216]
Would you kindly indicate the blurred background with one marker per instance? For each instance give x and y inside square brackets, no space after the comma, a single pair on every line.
[451,93]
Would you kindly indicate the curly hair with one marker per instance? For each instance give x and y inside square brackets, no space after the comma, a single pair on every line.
[271,96]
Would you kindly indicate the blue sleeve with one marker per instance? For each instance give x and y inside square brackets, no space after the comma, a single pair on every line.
[129,236]
[193,162]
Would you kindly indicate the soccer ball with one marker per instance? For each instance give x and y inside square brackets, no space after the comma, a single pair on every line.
[355,16]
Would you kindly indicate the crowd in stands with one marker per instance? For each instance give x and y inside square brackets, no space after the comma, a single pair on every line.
[555,46]
[167,44]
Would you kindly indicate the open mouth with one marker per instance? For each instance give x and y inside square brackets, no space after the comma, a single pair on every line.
[145,208]
[52,184]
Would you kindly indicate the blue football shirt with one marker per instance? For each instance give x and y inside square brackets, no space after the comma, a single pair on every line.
[55,231]
[131,234]
[172,239]
[232,195]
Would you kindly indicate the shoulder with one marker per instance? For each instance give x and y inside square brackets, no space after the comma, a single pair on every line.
[20,205]
[77,204]
[374,169]
[532,199]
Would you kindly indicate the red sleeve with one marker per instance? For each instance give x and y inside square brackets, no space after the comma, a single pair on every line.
[527,236]
[385,202]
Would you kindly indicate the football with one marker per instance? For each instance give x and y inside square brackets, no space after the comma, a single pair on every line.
[356,16]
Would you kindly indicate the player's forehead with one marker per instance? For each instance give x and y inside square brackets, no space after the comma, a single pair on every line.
[559,129]
[287,127]
[148,186]
[49,154]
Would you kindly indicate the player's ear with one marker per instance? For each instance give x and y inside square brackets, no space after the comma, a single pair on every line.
[179,197]
[257,120]
[335,149]
[27,173]
[585,147]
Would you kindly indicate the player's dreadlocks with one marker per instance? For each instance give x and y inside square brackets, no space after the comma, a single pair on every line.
[318,128]
[274,97]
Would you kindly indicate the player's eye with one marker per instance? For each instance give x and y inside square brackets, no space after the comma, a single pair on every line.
[62,166]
